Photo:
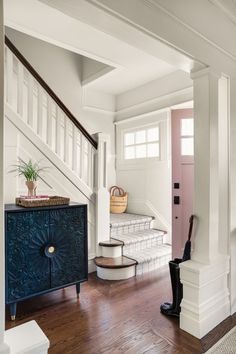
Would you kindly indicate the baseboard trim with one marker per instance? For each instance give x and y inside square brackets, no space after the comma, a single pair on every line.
[205,302]
[91,266]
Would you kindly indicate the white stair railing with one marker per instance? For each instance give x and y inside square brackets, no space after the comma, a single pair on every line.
[41,110]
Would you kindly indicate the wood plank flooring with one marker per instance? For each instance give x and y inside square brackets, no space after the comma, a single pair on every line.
[110,318]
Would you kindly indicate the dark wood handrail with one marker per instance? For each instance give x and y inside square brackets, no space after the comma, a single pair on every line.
[51,93]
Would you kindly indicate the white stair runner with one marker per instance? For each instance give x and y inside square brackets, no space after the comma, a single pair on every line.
[151,258]
[141,242]
[127,223]
[141,239]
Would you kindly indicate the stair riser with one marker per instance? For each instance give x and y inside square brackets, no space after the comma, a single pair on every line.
[116,274]
[154,264]
[121,230]
[112,252]
[137,246]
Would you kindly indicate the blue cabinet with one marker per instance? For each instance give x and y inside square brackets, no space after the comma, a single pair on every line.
[46,249]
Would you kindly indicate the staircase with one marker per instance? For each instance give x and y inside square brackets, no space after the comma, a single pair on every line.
[50,130]
[134,248]
[39,114]
[46,130]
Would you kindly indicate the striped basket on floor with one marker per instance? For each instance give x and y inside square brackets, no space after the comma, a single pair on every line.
[118,200]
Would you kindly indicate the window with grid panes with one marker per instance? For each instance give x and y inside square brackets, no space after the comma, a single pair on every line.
[142,143]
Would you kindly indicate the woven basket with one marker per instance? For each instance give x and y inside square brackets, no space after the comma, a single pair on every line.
[118,200]
[54,200]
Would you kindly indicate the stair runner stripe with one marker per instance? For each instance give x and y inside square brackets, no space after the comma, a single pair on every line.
[139,236]
[150,254]
[119,220]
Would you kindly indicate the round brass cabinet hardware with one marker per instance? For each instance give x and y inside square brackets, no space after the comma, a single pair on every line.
[51,249]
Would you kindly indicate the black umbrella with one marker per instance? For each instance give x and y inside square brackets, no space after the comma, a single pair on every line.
[187,248]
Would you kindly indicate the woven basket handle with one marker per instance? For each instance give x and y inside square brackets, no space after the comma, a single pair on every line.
[120,190]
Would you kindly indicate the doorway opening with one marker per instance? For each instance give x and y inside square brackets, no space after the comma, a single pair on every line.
[182,141]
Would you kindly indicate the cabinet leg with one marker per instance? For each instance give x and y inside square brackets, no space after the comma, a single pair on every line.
[13,311]
[78,288]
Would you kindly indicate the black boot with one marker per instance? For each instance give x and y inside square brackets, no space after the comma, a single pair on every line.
[177,290]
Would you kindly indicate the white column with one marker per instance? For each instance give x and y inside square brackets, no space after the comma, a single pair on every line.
[205,286]
[233,194]
[4,349]
[102,194]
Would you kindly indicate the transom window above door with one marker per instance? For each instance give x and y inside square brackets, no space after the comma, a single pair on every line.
[187,137]
[142,143]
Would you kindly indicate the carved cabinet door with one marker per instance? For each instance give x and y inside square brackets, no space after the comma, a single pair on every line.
[27,267]
[68,236]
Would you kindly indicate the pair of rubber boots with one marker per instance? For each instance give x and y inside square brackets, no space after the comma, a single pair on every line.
[177,290]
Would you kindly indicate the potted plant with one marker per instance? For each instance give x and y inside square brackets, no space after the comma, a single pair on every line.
[31,171]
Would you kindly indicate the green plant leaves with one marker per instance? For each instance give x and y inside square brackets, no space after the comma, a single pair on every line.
[31,171]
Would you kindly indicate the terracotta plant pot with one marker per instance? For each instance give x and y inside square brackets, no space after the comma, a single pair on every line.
[31,185]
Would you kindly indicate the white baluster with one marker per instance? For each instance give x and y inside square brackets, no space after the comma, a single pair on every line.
[20,88]
[66,140]
[91,174]
[81,170]
[40,112]
[89,167]
[30,117]
[9,76]
[75,148]
[58,131]
[49,121]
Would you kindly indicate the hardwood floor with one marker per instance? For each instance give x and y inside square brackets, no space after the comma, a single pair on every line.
[110,318]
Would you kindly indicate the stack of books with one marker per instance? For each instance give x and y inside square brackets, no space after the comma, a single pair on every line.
[35,197]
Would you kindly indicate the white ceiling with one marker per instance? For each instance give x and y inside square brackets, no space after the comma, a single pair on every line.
[135,67]
[143,70]
[228,7]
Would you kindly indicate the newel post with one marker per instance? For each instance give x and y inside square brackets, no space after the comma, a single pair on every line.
[102,194]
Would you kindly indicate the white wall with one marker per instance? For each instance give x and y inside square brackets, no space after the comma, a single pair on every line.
[62,71]
[148,181]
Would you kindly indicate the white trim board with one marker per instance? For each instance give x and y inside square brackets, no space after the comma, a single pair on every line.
[157,105]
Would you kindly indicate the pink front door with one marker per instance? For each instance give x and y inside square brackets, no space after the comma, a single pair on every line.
[182,177]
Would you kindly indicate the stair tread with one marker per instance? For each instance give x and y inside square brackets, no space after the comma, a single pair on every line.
[111,243]
[138,236]
[118,220]
[149,254]
[114,263]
